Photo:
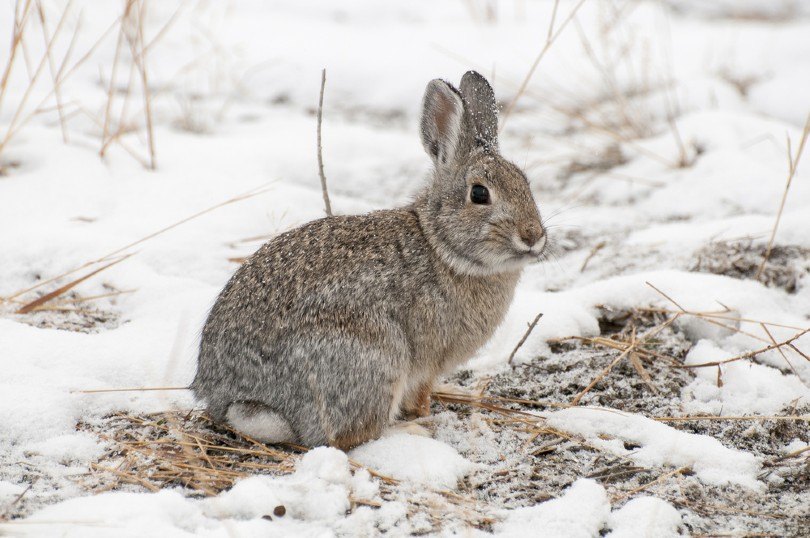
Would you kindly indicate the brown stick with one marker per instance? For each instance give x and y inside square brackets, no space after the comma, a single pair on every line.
[327,205]
[525,336]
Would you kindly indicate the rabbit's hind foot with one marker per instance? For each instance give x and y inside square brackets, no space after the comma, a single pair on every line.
[259,422]
[409,427]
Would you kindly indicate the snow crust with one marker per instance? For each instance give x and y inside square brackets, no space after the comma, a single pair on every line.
[656,444]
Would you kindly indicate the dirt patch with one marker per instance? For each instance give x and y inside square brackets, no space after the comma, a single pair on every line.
[71,312]
[786,267]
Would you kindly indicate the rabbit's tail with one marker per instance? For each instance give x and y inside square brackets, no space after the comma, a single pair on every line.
[260,422]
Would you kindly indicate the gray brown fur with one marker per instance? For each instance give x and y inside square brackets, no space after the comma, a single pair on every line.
[340,325]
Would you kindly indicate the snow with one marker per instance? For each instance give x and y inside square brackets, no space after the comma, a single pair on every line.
[315,498]
[659,444]
[645,517]
[236,84]
[414,458]
[584,510]
[580,513]
[746,388]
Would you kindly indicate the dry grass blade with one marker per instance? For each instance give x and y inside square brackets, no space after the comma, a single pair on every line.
[707,319]
[596,248]
[326,203]
[642,372]
[136,46]
[782,353]
[132,389]
[67,287]
[485,402]
[111,86]
[53,70]
[790,455]
[19,27]
[658,480]
[32,83]
[748,354]
[249,194]
[793,165]
[631,347]
[525,336]
[549,41]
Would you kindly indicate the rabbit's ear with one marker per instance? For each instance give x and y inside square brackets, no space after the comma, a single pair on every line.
[481,109]
[442,109]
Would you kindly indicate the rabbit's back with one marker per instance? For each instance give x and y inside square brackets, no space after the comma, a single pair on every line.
[315,313]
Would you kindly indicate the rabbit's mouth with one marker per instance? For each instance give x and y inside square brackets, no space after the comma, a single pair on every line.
[529,252]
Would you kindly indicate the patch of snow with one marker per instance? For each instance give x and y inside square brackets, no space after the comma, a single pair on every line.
[659,444]
[747,387]
[645,517]
[580,513]
[414,458]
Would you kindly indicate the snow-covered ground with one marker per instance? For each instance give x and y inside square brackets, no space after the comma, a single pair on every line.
[656,136]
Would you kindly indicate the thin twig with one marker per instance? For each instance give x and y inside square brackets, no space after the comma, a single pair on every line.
[630,348]
[549,41]
[24,99]
[327,205]
[53,70]
[525,336]
[596,248]
[133,389]
[113,72]
[747,354]
[793,165]
[140,60]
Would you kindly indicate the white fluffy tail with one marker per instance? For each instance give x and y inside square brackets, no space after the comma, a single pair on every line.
[260,423]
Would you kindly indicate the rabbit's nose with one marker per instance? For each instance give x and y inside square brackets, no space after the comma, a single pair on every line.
[530,234]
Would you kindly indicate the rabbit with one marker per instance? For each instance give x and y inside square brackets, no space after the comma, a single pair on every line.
[332,331]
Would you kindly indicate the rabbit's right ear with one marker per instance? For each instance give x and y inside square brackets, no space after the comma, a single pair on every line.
[442,109]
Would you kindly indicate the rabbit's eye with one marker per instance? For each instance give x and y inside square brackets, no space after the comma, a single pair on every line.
[479,194]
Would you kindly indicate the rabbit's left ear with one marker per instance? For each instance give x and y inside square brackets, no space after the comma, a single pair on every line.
[442,110]
[481,109]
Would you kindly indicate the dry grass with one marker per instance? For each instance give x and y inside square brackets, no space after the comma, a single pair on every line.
[130,26]
[189,450]
[175,449]
[793,164]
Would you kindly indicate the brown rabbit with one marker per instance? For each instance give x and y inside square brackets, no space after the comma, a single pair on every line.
[331,331]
